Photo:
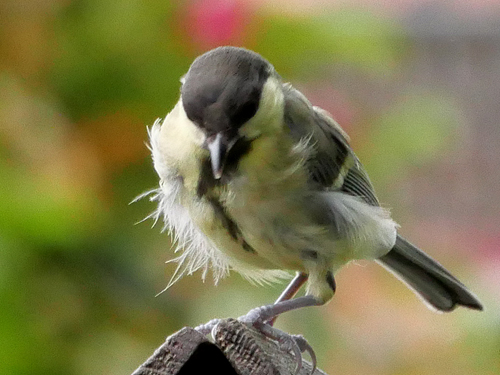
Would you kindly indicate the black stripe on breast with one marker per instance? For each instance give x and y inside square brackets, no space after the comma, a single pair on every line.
[229,224]
[208,186]
[206,181]
[241,148]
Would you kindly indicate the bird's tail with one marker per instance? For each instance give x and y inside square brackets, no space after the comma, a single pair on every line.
[434,284]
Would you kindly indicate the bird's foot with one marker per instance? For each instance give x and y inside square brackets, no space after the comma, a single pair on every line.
[260,317]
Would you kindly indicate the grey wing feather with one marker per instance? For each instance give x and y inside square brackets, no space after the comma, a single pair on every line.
[330,147]
[333,165]
[357,183]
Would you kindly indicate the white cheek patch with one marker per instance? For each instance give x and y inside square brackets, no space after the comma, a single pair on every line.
[176,144]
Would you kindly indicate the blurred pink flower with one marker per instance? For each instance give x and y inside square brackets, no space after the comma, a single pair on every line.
[213,23]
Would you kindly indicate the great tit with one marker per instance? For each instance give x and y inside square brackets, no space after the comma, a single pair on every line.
[253,178]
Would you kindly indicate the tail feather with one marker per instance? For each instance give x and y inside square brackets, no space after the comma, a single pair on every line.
[428,278]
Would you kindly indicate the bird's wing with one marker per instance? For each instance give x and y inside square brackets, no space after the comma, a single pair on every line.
[332,164]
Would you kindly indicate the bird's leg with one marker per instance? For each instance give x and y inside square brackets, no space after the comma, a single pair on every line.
[261,315]
[292,288]
[290,291]
[265,313]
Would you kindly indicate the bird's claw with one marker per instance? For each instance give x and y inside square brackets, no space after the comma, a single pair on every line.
[304,346]
[297,344]
[208,327]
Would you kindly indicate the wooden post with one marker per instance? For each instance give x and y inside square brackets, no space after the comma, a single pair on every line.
[237,350]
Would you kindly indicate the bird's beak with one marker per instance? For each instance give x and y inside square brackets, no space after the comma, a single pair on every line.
[218,147]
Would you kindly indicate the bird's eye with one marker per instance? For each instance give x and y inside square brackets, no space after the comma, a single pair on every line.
[245,112]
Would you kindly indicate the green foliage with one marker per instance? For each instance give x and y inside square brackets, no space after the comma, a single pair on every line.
[110,54]
[415,130]
[307,46]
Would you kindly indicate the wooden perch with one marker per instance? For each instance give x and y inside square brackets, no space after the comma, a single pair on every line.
[238,350]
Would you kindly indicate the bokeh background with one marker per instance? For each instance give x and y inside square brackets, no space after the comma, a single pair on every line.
[415,84]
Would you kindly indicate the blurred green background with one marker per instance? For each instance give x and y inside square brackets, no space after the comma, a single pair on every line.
[415,84]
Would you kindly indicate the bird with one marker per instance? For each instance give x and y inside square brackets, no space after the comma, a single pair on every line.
[255,179]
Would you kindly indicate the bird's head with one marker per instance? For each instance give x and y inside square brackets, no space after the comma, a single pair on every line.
[234,96]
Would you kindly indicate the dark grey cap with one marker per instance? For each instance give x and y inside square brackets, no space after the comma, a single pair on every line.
[223,87]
